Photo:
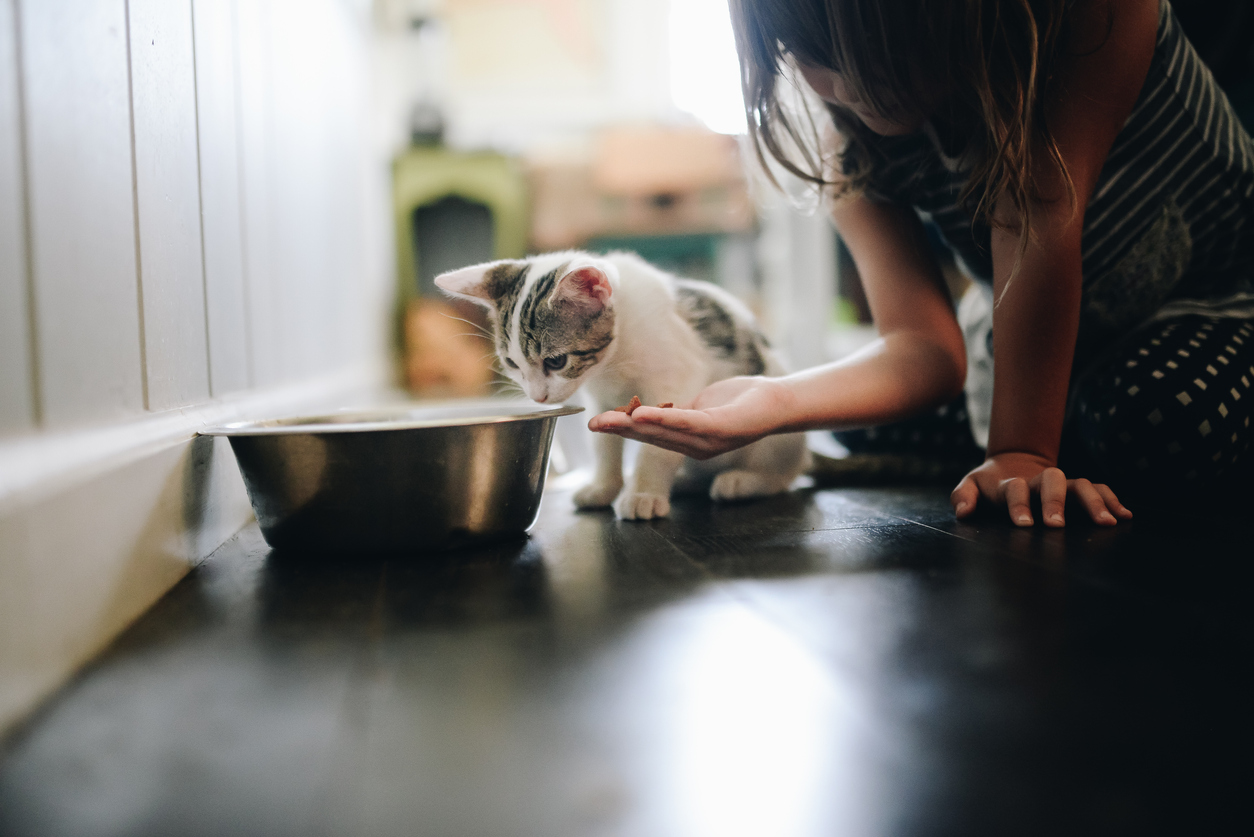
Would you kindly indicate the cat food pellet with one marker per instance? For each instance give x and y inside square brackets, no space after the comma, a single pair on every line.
[630,407]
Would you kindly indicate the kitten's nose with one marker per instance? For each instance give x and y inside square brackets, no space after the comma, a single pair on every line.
[542,398]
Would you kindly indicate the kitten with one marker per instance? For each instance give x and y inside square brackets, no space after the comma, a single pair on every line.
[620,327]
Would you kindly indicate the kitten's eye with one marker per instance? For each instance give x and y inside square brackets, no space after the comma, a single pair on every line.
[511,364]
[554,363]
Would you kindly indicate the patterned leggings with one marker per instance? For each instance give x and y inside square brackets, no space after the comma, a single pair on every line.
[1169,410]
[1173,405]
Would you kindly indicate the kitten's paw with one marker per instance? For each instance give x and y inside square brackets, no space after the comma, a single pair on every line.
[741,485]
[639,506]
[596,495]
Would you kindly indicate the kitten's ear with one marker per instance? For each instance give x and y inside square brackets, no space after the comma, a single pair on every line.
[481,283]
[585,286]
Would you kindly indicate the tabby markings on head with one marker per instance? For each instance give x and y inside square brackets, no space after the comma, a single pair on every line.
[535,329]
[504,283]
[530,309]
[588,344]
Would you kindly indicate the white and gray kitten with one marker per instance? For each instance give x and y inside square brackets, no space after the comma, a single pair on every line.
[620,327]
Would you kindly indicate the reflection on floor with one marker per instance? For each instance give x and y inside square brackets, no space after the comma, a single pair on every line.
[833,662]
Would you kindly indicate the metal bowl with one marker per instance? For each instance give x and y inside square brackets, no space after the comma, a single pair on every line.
[411,478]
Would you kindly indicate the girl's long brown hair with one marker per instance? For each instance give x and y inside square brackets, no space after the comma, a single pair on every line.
[986,64]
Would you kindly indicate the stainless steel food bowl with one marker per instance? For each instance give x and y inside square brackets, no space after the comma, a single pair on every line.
[411,478]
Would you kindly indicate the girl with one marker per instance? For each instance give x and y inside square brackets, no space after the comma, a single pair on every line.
[1078,159]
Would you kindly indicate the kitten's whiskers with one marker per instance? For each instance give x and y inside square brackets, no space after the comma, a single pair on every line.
[481,331]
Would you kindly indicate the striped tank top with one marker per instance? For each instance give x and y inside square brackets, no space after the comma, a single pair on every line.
[1167,229]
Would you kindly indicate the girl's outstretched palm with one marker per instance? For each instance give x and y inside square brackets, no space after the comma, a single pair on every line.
[724,416]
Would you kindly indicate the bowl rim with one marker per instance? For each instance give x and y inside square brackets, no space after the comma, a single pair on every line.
[393,417]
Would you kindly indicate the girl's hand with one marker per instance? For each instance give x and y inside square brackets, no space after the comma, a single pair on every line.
[1013,479]
[724,416]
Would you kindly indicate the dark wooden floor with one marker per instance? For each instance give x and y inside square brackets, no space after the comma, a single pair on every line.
[833,662]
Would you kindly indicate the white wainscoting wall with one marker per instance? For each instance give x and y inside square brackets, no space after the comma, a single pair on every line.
[190,217]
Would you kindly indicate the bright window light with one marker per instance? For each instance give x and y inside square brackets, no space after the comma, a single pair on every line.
[705,75]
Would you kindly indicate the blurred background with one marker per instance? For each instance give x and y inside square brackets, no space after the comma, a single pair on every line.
[522,126]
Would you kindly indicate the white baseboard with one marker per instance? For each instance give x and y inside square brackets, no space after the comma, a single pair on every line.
[98,524]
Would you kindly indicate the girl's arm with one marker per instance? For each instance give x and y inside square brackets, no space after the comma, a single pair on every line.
[1038,306]
[917,362]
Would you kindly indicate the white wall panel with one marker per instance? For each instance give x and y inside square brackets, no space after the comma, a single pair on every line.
[225,290]
[17,407]
[167,190]
[82,209]
[301,108]
[344,123]
[318,127]
[257,162]
[362,198]
[97,521]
